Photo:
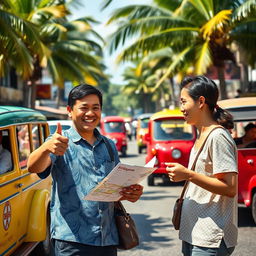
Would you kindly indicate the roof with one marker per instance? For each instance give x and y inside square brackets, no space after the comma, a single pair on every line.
[17,115]
[62,122]
[237,102]
[53,113]
[127,119]
[112,119]
[167,113]
[242,109]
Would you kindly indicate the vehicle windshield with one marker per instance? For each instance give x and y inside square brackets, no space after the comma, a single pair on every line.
[174,129]
[111,127]
[144,122]
[244,134]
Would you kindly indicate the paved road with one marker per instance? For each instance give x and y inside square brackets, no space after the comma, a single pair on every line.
[153,218]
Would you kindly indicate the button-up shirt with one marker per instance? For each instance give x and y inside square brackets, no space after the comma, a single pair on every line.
[74,175]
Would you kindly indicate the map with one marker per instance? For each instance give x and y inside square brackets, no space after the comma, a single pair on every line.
[123,175]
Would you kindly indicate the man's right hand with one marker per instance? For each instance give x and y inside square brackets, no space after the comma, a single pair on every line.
[58,144]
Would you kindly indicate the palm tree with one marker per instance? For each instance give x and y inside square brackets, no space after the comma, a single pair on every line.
[68,51]
[15,36]
[73,56]
[140,84]
[199,32]
[158,61]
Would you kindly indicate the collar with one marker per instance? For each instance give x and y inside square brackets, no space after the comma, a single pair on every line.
[75,136]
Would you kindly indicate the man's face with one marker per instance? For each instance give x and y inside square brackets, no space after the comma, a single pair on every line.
[86,114]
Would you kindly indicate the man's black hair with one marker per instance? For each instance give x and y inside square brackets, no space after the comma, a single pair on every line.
[249,126]
[81,91]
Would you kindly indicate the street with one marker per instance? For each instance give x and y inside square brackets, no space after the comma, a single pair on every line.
[153,212]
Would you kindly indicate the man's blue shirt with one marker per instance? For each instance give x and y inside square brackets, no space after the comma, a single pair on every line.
[74,175]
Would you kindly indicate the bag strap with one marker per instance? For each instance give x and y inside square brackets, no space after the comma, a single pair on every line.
[194,163]
[109,148]
[119,206]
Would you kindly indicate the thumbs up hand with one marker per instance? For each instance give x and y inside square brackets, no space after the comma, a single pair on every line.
[59,129]
[58,144]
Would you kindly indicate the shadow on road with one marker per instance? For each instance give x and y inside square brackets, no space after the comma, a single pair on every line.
[128,156]
[149,231]
[155,195]
[245,217]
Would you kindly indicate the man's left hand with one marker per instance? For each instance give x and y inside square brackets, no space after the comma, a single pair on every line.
[132,193]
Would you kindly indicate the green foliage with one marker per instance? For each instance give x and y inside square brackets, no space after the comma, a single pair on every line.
[199,32]
[117,103]
[37,34]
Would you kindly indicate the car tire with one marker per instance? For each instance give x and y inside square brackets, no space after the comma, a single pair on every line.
[254,207]
[166,180]
[45,248]
[123,151]
[151,181]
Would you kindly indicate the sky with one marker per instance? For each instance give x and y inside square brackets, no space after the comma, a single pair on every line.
[93,8]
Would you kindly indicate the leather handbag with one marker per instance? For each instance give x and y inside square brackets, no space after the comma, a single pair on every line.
[176,216]
[127,232]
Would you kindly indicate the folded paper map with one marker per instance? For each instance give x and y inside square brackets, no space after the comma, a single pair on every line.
[123,175]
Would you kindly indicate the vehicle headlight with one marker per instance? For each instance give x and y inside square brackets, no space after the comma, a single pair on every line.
[176,153]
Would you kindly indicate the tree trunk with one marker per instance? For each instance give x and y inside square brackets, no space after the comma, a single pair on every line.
[32,94]
[60,97]
[145,101]
[26,94]
[174,99]
[244,77]
[221,76]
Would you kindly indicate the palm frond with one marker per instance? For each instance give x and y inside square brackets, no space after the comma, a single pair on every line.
[158,40]
[204,7]
[106,4]
[216,24]
[176,61]
[171,5]
[245,10]
[203,58]
[144,26]
[134,12]
[57,11]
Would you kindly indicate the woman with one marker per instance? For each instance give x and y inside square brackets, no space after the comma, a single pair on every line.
[209,214]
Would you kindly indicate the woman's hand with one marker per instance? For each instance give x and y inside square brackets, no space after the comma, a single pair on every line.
[132,193]
[177,172]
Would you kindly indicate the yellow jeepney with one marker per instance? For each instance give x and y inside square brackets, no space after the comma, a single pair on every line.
[24,197]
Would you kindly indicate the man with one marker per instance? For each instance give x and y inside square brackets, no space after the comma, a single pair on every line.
[249,138]
[5,158]
[78,160]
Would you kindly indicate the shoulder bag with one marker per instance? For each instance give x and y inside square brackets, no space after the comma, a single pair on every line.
[179,202]
[127,232]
